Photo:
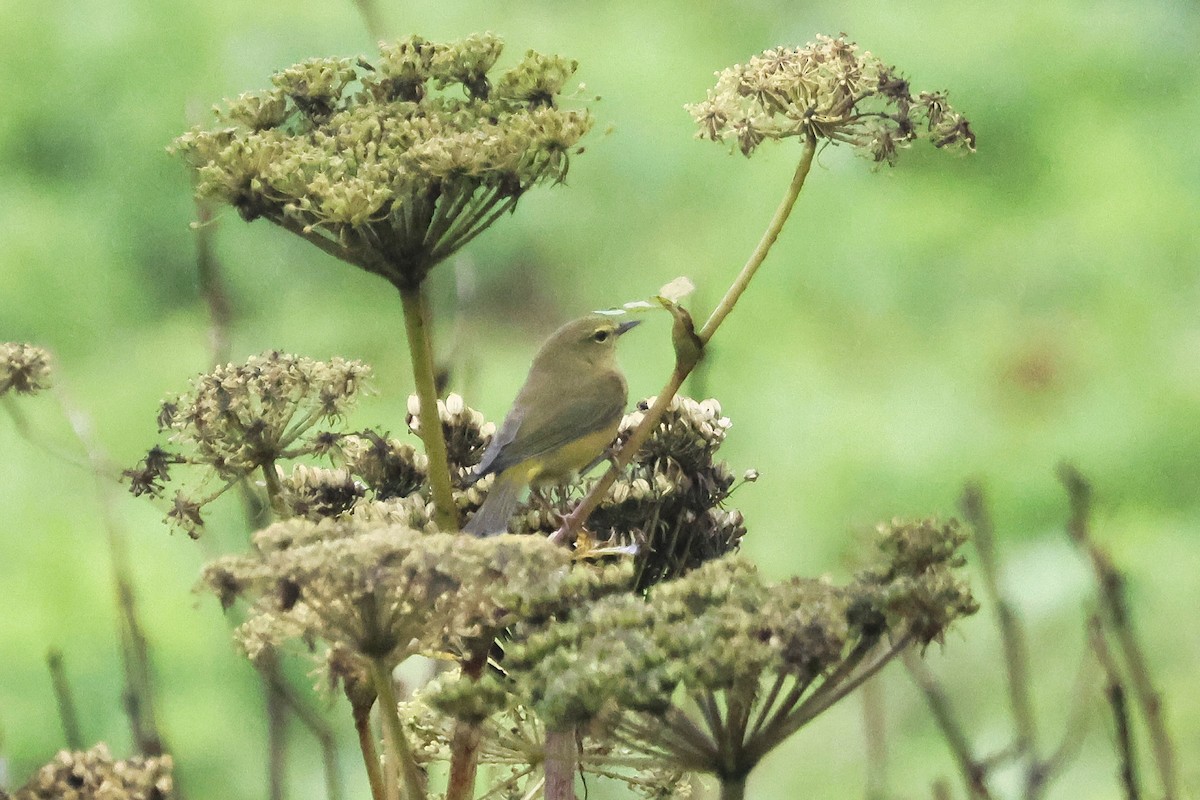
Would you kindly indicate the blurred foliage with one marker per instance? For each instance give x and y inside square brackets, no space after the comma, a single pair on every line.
[945,319]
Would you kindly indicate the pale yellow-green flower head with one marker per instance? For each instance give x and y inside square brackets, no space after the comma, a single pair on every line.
[391,164]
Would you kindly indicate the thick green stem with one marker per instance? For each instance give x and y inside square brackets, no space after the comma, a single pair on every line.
[420,349]
[574,521]
[411,779]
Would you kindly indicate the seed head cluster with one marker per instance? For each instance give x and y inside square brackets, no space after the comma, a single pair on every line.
[392,164]
[830,91]
[24,368]
[380,591]
[95,775]
[722,631]
[670,501]
[243,418]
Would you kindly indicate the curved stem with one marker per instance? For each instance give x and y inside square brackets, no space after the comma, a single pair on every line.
[410,775]
[574,521]
[420,349]
[764,245]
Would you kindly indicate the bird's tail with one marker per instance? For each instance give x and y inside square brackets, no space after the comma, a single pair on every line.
[492,517]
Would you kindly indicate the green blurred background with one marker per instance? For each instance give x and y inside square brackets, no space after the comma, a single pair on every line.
[948,319]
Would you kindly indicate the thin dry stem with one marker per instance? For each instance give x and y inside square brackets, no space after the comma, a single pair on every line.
[1117,619]
[971,768]
[1012,634]
[1116,693]
[65,700]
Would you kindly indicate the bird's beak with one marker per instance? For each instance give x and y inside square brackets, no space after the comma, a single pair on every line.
[624,326]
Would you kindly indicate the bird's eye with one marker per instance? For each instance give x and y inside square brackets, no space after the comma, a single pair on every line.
[601,335]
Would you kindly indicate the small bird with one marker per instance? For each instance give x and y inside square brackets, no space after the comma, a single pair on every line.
[564,416]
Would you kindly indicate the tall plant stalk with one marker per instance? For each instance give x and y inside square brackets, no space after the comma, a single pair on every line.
[420,350]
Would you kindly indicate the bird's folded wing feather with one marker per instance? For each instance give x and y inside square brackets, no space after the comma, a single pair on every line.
[567,417]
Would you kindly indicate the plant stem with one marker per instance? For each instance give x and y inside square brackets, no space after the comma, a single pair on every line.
[410,776]
[733,787]
[1012,634]
[560,765]
[366,743]
[574,521]
[1111,587]
[420,349]
[464,745]
[65,700]
[764,245]
[139,691]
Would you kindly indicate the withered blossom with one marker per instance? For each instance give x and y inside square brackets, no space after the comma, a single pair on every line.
[24,368]
[668,504]
[382,592]
[830,91]
[466,430]
[394,163]
[95,775]
[240,419]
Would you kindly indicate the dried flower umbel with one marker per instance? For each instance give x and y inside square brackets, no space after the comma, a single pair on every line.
[24,368]
[392,164]
[241,419]
[95,775]
[380,591]
[670,500]
[830,91]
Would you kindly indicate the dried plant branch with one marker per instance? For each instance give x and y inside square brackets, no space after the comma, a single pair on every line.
[970,767]
[212,285]
[1115,691]
[1116,618]
[65,700]
[1012,634]
[875,739]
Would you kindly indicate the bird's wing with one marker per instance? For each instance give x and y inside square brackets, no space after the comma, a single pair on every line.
[503,437]
[567,417]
